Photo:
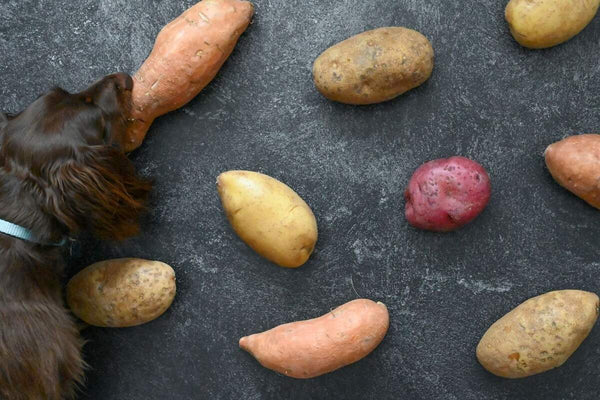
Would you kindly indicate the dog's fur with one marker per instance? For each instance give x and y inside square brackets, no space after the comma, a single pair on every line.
[61,171]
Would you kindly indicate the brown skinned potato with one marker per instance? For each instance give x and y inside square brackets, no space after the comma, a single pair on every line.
[314,347]
[539,334]
[374,66]
[187,55]
[574,163]
[121,292]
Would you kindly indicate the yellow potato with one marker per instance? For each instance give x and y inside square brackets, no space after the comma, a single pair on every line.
[269,216]
[374,66]
[539,334]
[121,292]
[538,24]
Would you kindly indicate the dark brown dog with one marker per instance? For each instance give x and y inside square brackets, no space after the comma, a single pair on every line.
[61,171]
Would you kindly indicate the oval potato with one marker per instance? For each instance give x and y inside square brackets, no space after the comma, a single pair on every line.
[314,347]
[269,216]
[574,163]
[539,24]
[374,66]
[539,334]
[121,292]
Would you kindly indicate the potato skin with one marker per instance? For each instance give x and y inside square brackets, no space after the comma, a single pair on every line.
[539,24]
[121,292]
[446,194]
[306,349]
[187,54]
[269,216]
[374,66]
[538,335]
[574,163]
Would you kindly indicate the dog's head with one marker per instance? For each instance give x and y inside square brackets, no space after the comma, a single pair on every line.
[65,149]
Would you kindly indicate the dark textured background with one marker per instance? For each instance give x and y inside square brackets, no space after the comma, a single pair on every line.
[488,99]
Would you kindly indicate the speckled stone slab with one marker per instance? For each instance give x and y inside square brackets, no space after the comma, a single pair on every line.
[488,99]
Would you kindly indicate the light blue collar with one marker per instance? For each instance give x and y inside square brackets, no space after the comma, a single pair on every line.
[19,232]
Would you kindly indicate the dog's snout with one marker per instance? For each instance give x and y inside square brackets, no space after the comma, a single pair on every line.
[124,81]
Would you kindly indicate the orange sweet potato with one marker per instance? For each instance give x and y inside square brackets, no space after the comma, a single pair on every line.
[574,163]
[187,54]
[314,347]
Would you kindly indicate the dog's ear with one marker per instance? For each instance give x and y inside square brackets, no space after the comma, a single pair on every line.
[98,190]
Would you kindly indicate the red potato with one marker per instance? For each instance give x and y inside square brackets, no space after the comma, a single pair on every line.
[306,349]
[187,55]
[446,194]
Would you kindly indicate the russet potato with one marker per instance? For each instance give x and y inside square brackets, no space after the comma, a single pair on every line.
[538,335]
[121,292]
[374,66]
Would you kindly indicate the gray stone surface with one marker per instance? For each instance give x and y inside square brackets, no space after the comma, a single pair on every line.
[488,99]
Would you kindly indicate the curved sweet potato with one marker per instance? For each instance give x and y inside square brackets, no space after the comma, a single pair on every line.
[574,163]
[187,54]
[314,347]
